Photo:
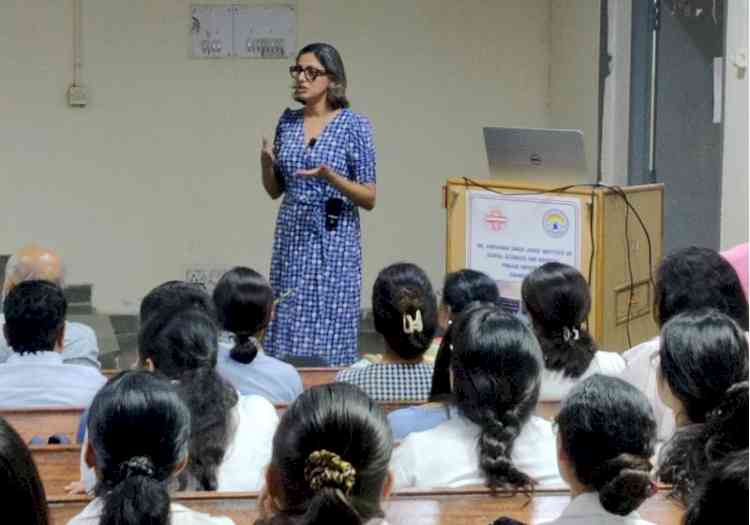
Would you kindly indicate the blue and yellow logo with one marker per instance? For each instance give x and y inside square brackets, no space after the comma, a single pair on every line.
[555,223]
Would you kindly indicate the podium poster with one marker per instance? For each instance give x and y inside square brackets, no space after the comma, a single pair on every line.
[508,236]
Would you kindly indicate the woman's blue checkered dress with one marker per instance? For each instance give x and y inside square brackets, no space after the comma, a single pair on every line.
[323,268]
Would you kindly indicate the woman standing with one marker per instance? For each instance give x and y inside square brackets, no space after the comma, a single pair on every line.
[323,162]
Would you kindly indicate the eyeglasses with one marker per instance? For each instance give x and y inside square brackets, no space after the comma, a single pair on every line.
[310,72]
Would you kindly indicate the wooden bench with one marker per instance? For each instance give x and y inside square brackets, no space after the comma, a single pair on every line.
[439,507]
[44,421]
[58,466]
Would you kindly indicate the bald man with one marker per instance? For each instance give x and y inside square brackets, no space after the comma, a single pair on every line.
[37,263]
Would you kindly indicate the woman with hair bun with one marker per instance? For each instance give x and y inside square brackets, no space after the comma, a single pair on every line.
[557,299]
[404,309]
[606,436]
[244,304]
[492,436]
[329,462]
[139,433]
[703,378]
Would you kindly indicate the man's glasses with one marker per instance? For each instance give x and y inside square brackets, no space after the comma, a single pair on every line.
[310,72]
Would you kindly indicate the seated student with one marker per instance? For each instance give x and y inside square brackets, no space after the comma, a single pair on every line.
[492,437]
[404,309]
[460,289]
[35,374]
[606,435]
[330,461]
[558,301]
[686,280]
[722,493]
[703,364]
[244,304]
[24,500]
[33,263]
[139,433]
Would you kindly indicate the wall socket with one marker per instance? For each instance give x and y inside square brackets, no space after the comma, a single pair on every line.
[77,96]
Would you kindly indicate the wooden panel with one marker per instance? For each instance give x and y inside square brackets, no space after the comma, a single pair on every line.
[30,422]
[58,465]
[317,376]
[426,508]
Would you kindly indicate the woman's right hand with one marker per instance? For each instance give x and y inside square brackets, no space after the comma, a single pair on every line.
[267,157]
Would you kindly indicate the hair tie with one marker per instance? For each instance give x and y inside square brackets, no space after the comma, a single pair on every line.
[327,469]
[570,333]
[413,324]
[137,466]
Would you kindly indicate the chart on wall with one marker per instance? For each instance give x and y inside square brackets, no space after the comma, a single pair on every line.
[508,236]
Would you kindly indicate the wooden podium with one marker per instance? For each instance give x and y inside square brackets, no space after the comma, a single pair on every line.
[620,280]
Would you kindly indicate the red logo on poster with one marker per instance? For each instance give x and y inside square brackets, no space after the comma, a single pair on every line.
[495,220]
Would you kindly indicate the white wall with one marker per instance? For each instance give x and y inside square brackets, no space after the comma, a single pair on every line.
[160,171]
[734,184]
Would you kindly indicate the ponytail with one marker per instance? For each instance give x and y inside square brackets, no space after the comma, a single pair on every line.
[623,483]
[245,349]
[136,497]
[568,350]
[210,400]
[441,372]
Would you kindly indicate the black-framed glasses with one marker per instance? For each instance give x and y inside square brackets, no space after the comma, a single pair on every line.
[311,73]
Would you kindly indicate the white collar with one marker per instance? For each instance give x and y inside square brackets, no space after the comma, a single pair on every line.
[587,505]
[45,358]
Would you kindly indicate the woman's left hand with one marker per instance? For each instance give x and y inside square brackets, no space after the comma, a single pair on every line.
[321,172]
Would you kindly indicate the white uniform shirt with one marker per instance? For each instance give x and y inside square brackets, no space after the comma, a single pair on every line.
[180,515]
[79,344]
[556,386]
[642,372]
[248,453]
[447,456]
[41,379]
[586,509]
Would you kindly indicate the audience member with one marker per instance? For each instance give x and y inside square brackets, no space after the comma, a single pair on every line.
[244,304]
[35,263]
[491,437]
[703,363]
[606,436]
[173,296]
[404,309]
[558,301]
[460,289]
[20,485]
[35,374]
[722,493]
[330,461]
[139,434]
[687,280]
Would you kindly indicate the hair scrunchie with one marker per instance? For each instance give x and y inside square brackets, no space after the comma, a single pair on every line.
[327,469]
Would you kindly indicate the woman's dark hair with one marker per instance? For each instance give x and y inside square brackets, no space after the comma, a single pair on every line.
[703,358]
[331,61]
[183,345]
[244,301]
[336,439]
[695,278]
[21,486]
[607,430]
[138,430]
[558,301]
[176,295]
[496,365]
[460,289]
[724,487]
[404,309]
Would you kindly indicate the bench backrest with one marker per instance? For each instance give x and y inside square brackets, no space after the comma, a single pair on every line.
[30,422]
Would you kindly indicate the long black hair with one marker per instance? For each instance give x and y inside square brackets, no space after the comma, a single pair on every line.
[331,61]
[138,430]
[703,359]
[558,301]
[460,289]
[607,430]
[244,301]
[496,365]
[404,309]
[724,487]
[695,278]
[182,345]
[23,493]
[331,453]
